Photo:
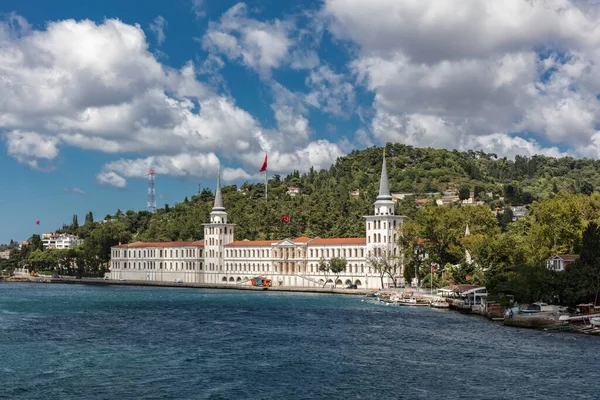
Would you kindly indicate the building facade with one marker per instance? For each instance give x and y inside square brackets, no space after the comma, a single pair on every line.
[60,241]
[220,259]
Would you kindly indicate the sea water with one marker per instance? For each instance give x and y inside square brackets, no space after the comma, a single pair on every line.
[118,342]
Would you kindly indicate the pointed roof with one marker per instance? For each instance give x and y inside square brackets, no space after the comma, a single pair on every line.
[384,190]
[218,196]
[467,231]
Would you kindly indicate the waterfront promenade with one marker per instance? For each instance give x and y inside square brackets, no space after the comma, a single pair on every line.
[425,293]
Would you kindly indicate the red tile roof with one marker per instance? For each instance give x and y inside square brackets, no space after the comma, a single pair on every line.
[337,241]
[301,239]
[252,243]
[160,244]
[568,257]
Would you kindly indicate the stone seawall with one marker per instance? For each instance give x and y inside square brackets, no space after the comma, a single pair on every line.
[100,281]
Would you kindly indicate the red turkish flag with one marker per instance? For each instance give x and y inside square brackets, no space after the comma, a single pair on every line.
[285,218]
[264,166]
[37,222]
[432,267]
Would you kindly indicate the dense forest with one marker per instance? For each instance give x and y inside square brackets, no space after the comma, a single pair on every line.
[326,208]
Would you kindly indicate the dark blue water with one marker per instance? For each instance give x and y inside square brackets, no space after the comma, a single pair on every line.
[103,342]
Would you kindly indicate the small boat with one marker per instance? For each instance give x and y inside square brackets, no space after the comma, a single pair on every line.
[595,321]
[439,304]
[410,302]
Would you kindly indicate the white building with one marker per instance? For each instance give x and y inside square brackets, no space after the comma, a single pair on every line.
[5,254]
[60,241]
[220,259]
[293,191]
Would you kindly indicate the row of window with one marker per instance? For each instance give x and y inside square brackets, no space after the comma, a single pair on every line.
[261,267]
[212,241]
[151,253]
[215,230]
[293,253]
[152,265]
[377,238]
[379,224]
[262,253]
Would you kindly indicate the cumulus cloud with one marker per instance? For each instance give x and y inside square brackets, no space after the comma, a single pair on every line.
[261,46]
[29,147]
[98,87]
[117,172]
[478,77]
[112,178]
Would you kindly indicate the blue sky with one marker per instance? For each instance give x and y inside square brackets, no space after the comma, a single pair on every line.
[93,93]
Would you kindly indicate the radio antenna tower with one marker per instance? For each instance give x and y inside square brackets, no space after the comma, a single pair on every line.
[151,193]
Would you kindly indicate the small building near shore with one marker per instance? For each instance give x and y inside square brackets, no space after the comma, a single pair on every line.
[470,294]
[560,261]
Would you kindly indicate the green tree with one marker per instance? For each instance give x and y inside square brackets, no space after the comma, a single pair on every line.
[464,193]
[324,268]
[337,265]
[89,218]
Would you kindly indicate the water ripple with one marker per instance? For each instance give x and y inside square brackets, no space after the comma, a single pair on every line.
[102,342]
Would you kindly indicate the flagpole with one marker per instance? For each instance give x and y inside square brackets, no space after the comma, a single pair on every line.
[266,183]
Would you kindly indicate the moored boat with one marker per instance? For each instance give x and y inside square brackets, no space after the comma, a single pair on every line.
[410,302]
[439,304]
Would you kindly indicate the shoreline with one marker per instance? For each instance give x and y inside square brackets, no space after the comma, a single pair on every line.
[101,281]
[289,289]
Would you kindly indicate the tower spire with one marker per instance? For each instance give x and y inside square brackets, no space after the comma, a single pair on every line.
[218,206]
[384,190]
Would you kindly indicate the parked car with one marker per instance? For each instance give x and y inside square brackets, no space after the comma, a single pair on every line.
[352,287]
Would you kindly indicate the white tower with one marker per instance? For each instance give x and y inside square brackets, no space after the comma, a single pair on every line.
[382,228]
[217,234]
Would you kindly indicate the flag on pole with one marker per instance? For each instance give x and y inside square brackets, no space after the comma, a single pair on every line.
[432,267]
[37,222]
[264,166]
[285,218]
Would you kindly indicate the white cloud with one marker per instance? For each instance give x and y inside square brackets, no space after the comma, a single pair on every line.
[158,27]
[330,92]
[180,165]
[260,46]
[111,178]
[74,190]
[198,8]
[98,87]
[29,147]
[451,74]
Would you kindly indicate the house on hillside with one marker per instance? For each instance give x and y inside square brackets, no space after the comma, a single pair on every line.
[293,191]
[560,261]
[518,212]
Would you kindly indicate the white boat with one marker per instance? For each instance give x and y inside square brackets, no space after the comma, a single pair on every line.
[410,302]
[595,321]
[439,304]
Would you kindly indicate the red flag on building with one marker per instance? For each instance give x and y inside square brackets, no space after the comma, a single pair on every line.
[37,222]
[285,218]
[264,166]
